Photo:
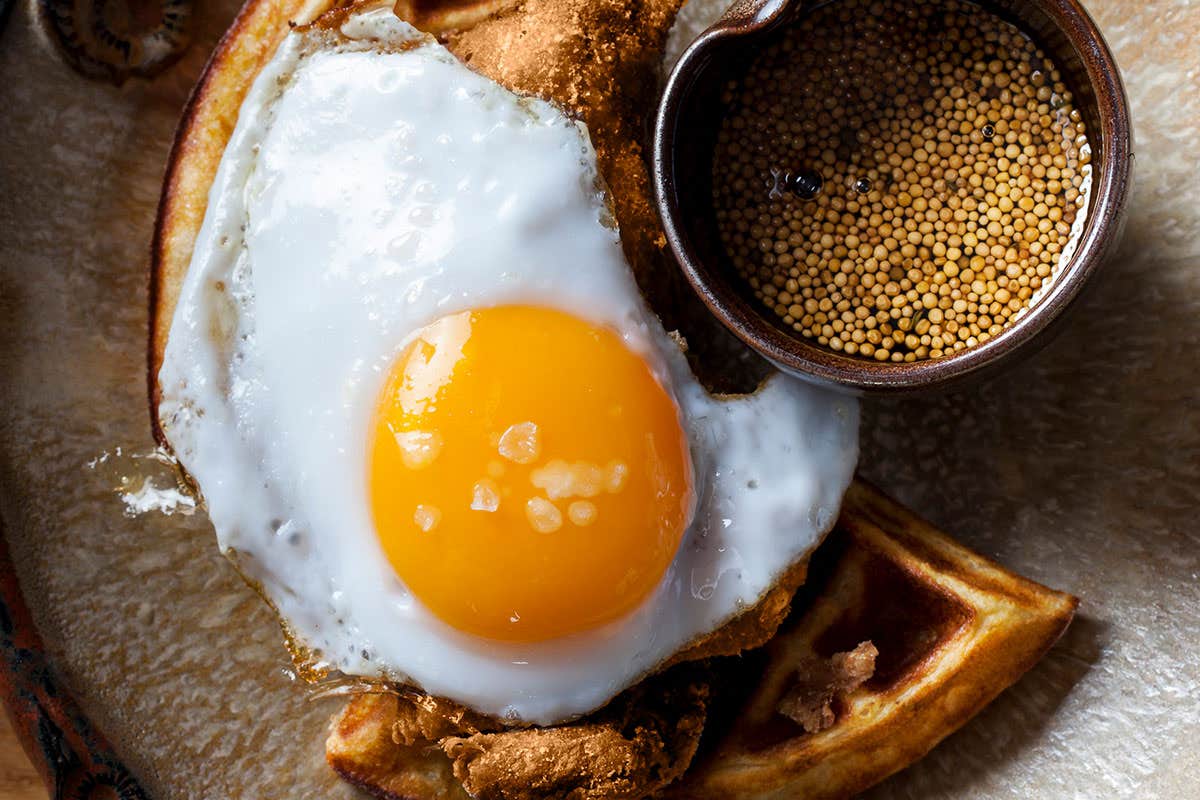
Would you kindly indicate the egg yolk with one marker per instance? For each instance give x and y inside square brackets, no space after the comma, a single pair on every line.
[529,477]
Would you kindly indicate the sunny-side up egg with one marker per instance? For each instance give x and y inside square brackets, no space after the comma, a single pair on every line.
[430,413]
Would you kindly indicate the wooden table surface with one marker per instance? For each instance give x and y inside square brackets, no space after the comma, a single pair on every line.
[18,780]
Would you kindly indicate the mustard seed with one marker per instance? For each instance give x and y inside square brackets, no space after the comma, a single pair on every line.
[901,190]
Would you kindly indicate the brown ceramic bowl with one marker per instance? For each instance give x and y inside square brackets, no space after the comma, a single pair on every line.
[685,132]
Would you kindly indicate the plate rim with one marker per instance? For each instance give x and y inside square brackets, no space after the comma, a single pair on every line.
[73,758]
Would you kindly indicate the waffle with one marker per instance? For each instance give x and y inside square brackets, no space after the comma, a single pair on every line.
[946,630]
[952,630]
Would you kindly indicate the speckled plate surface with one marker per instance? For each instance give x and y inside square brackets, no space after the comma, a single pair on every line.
[1081,469]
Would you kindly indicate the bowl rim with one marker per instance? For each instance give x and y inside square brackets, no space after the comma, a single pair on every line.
[1111,175]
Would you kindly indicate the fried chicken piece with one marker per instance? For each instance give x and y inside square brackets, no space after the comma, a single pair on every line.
[635,746]
[754,627]
[409,746]
[362,750]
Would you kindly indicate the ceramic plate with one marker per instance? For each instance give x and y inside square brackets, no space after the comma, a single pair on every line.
[1080,469]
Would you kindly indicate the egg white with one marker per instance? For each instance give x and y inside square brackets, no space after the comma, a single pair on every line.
[372,185]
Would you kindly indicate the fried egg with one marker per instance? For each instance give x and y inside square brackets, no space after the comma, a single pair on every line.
[429,412]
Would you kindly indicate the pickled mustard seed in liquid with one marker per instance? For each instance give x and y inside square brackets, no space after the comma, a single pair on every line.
[896,180]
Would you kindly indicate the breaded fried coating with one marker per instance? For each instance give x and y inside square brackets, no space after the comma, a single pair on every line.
[754,627]
[422,718]
[633,747]
[361,749]
[638,744]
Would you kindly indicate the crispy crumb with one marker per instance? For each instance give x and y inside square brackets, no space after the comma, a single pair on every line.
[818,683]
